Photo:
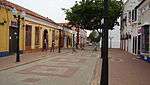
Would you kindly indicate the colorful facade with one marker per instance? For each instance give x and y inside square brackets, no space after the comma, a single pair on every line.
[8,26]
[34,31]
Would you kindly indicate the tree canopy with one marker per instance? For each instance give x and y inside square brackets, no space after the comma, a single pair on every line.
[94,37]
[87,14]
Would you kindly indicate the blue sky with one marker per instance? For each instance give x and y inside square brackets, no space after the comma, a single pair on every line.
[47,8]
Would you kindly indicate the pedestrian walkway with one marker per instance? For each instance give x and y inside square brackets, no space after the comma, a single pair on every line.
[124,69]
[10,61]
[82,67]
[127,69]
[69,68]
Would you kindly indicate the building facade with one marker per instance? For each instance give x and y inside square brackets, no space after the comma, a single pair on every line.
[35,30]
[135,28]
[78,36]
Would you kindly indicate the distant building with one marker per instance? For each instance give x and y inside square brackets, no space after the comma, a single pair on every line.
[80,35]
[114,38]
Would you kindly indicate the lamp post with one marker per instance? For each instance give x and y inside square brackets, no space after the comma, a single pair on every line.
[104,51]
[18,17]
[59,40]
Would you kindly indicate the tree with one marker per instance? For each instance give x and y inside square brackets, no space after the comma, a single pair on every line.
[87,14]
[95,38]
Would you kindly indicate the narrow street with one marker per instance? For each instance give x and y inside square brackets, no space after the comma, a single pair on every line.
[78,68]
[63,69]
[58,42]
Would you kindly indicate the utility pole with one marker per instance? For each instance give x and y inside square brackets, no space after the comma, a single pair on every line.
[104,51]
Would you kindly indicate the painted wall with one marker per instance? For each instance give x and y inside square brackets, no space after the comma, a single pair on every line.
[4,30]
[42,28]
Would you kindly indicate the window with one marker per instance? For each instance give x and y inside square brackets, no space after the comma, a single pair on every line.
[133,15]
[129,17]
[28,35]
[145,39]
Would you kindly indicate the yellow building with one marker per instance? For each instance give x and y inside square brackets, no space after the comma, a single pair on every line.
[34,30]
[8,26]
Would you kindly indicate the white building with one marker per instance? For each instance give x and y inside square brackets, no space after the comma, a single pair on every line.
[128,27]
[135,18]
[114,38]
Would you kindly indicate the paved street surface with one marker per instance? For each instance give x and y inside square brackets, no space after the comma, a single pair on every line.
[124,69]
[10,61]
[127,69]
[74,68]
[63,69]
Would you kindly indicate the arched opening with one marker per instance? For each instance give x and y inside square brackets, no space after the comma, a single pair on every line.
[45,40]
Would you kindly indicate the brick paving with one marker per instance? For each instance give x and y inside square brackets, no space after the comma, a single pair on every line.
[127,69]
[9,61]
[124,69]
[74,68]
[69,68]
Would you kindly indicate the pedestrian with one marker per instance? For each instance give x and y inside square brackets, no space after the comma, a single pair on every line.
[73,48]
[53,46]
[44,45]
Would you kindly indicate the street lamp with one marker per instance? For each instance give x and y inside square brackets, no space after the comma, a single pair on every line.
[18,16]
[59,40]
[104,51]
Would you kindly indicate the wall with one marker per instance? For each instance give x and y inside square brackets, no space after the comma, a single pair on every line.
[4,30]
[115,38]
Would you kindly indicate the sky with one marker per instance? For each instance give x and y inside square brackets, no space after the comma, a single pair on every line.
[48,8]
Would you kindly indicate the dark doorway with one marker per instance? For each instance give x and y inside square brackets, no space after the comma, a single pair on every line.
[139,44]
[53,35]
[12,39]
[45,39]
[135,45]
[28,37]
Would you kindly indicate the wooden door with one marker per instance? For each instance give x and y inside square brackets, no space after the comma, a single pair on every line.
[12,39]
[28,37]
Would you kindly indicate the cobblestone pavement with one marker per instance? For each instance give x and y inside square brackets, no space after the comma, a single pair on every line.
[70,68]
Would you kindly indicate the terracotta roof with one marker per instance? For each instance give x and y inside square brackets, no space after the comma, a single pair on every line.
[65,25]
[29,12]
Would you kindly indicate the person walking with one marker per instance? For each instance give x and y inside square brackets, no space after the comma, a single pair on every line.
[53,46]
[45,46]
